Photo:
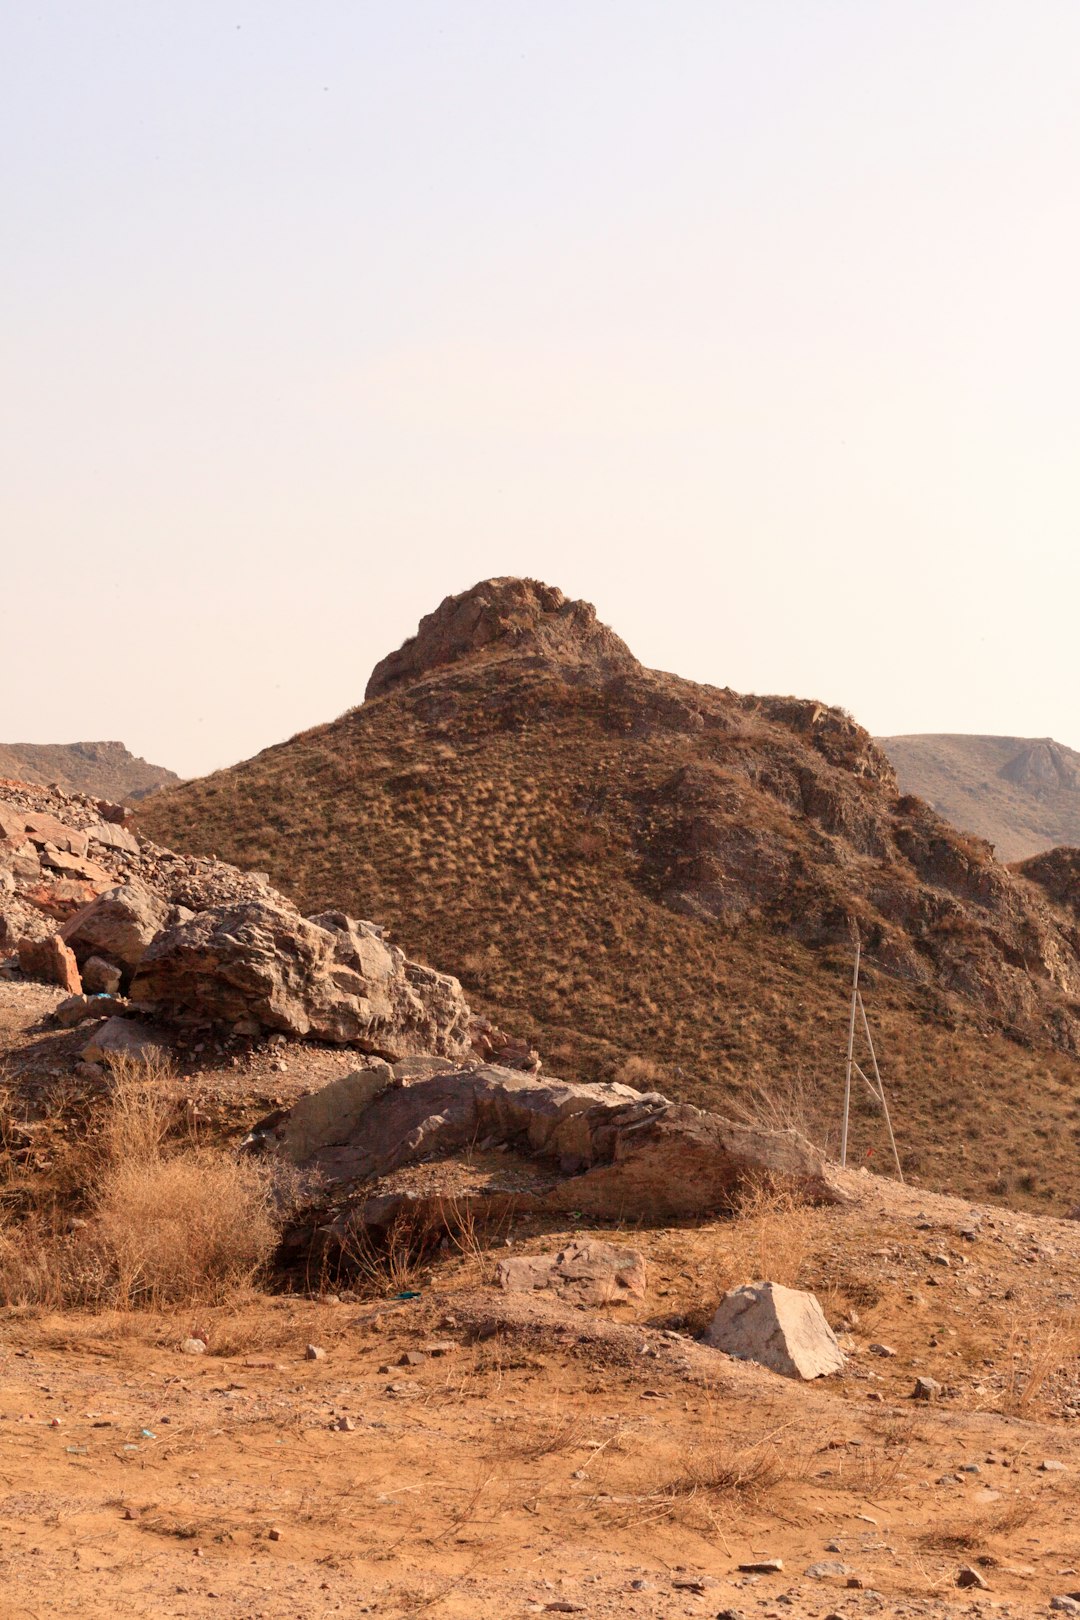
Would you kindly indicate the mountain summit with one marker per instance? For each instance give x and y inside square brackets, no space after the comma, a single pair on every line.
[656,880]
[504,617]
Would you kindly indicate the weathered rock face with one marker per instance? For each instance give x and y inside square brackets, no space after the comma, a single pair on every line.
[781,1328]
[512,615]
[261,966]
[609,1150]
[589,1273]
[118,926]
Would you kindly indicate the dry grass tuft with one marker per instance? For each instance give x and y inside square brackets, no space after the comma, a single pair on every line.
[164,1221]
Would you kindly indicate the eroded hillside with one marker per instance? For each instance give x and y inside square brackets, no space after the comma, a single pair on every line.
[652,877]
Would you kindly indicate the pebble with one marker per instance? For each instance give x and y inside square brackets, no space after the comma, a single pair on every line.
[193,1347]
[315,1352]
[967,1575]
[763,1566]
[926,1389]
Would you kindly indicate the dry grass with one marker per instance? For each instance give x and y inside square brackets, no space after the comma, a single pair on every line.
[1049,1350]
[163,1221]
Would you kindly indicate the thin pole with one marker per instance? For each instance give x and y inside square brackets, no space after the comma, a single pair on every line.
[881,1087]
[850,1050]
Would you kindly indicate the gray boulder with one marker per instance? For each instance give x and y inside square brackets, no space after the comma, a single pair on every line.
[259,965]
[781,1328]
[122,1037]
[118,925]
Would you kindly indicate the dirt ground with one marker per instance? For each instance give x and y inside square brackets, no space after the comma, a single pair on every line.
[534,1458]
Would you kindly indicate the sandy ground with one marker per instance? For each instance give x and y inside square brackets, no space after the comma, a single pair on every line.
[547,1459]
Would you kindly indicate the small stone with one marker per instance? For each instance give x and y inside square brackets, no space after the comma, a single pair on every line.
[193,1347]
[969,1576]
[829,1569]
[926,1389]
[1066,1605]
[315,1352]
[882,1350]
[1050,1465]
[763,1566]
[344,1424]
[274,1535]
[412,1358]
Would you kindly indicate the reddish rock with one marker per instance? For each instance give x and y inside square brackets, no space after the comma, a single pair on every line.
[50,960]
[12,822]
[75,866]
[62,899]
[45,829]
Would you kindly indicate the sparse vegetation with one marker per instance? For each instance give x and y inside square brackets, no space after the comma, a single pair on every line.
[138,1214]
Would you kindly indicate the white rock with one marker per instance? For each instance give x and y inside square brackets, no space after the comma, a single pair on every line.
[781,1328]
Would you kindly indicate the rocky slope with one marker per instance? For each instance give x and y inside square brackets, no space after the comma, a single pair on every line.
[655,880]
[86,905]
[105,769]
[1022,794]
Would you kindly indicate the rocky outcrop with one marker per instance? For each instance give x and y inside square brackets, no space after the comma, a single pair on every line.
[512,616]
[261,966]
[605,1150]
[781,1328]
[1057,873]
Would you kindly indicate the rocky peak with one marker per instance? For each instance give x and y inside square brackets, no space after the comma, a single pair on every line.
[508,616]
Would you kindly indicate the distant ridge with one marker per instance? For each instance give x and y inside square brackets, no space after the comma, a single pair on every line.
[1022,794]
[105,769]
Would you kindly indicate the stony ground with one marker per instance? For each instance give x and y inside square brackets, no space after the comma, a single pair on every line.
[531,1458]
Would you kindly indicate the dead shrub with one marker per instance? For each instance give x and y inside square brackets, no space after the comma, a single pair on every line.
[165,1221]
[771,1236]
[176,1229]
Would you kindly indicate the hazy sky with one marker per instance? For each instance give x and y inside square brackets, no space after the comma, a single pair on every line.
[755,322]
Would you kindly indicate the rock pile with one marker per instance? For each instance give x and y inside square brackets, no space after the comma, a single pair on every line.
[88,906]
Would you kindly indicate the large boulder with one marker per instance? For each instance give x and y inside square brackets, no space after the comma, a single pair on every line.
[781,1328]
[119,925]
[262,966]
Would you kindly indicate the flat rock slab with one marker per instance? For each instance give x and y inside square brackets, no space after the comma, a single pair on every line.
[590,1273]
[781,1328]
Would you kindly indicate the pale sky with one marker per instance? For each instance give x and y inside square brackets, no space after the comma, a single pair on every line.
[755,322]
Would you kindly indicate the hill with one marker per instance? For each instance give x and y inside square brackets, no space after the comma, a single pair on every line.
[1020,793]
[104,769]
[654,880]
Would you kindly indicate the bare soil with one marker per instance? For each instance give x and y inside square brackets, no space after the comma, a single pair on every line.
[541,1459]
